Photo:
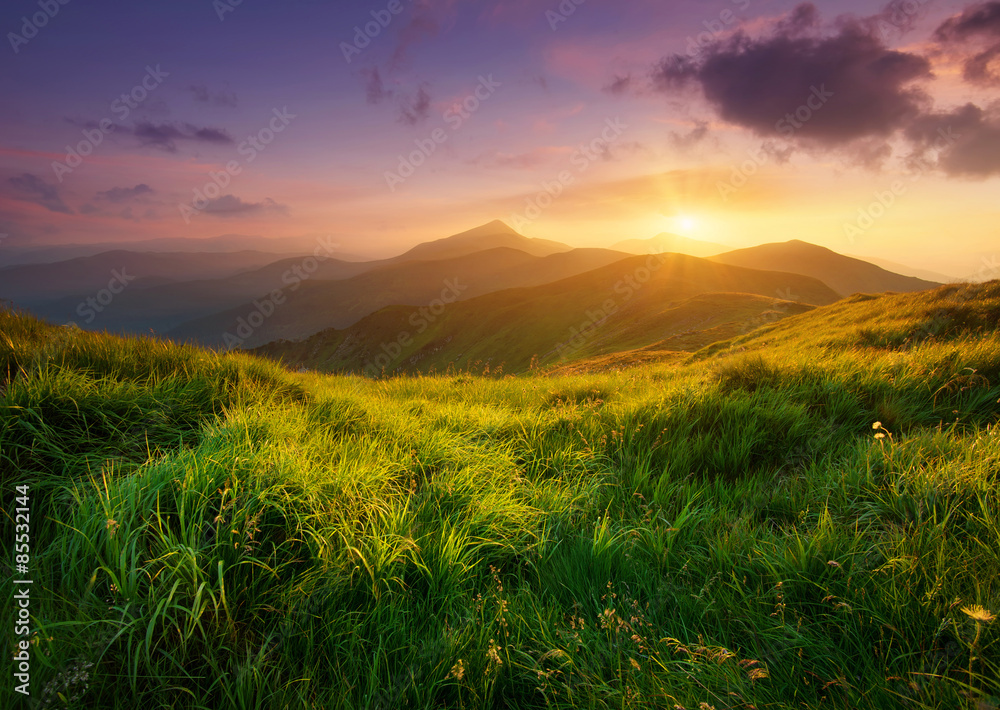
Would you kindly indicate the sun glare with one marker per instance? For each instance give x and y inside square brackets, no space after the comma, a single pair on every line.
[686,224]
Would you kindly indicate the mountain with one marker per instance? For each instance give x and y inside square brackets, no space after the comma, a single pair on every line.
[669,244]
[170,290]
[83,276]
[310,306]
[640,301]
[226,243]
[903,269]
[843,274]
[494,235]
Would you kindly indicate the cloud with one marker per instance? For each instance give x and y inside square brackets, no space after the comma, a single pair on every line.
[758,83]
[232,206]
[964,142]
[33,189]
[975,35]
[981,19]
[422,26]
[414,110]
[165,135]
[411,109]
[202,94]
[619,85]
[123,194]
[374,87]
[685,141]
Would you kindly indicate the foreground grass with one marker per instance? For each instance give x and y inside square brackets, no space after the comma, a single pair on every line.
[212,531]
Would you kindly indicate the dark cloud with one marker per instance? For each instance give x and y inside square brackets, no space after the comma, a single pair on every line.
[975,35]
[963,142]
[33,189]
[842,80]
[416,109]
[202,94]
[123,194]
[232,206]
[165,135]
[619,85]
[87,208]
[981,19]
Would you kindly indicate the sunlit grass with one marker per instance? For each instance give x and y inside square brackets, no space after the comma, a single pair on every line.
[213,531]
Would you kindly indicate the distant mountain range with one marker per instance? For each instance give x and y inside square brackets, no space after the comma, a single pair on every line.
[487,294]
[843,274]
[12,255]
[633,303]
[318,304]
[669,243]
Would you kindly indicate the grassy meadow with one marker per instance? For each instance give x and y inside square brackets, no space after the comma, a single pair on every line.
[804,516]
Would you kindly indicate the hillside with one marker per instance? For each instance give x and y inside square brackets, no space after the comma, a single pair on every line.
[635,306]
[843,274]
[803,516]
[315,304]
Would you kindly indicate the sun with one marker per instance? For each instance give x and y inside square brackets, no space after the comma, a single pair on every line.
[686,223]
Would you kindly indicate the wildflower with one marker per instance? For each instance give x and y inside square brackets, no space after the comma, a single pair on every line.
[877,425]
[457,671]
[979,614]
[493,654]
[635,663]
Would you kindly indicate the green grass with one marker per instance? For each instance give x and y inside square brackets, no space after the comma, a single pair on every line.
[729,531]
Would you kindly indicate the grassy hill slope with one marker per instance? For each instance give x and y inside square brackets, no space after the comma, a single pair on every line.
[805,516]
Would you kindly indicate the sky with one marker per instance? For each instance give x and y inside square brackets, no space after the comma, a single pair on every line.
[869,128]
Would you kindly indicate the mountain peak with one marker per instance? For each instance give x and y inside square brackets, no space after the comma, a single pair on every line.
[495,227]
[488,236]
